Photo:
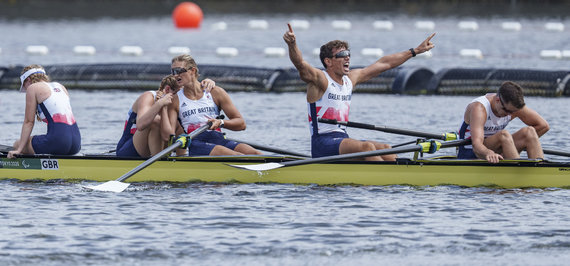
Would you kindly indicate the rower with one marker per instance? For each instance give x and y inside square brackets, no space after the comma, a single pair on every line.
[485,119]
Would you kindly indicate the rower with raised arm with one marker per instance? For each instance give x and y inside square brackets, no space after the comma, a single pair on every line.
[50,102]
[193,107]
[329,93]
[485,119]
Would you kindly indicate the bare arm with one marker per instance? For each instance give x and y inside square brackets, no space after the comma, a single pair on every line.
[531,118]
[29,120]
[317,82]
[476,116]
[388,62]
[223,100]
[148,109]
[168,123]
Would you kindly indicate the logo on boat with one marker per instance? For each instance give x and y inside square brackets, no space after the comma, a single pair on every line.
[49,164]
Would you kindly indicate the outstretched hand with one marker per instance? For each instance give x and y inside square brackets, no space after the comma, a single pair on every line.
[289,36]
[426,45]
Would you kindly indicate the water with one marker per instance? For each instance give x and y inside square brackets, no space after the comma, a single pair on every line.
[58,223]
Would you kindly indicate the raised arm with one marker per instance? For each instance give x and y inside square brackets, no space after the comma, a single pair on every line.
[317,82]
[388,62]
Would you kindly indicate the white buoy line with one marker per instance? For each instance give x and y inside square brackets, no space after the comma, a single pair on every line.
[132,50]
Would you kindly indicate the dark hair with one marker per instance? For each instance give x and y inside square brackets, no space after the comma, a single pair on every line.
[512,93]
[327,48]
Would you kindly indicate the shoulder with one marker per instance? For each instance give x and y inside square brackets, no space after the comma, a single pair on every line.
[218,92]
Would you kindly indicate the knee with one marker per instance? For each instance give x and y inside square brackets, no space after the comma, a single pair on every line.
[505,135]
[530,132]
[367,146]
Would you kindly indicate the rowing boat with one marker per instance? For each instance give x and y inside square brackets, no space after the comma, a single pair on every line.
[422,172]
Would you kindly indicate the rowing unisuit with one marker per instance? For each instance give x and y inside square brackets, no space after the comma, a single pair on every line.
[195,113]
[493,125]
[334,104]
[125,147]
[63,136]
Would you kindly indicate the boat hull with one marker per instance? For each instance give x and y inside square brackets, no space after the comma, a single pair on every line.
[509,174]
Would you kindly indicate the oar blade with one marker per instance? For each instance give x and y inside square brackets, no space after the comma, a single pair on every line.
[110,186]
[258,167]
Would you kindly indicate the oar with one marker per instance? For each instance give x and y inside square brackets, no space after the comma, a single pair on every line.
[271,149]
[445,136]
[554,152]
[5,148]
[118,186]
[428,147]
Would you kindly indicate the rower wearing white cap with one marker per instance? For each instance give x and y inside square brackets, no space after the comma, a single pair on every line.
[50,102]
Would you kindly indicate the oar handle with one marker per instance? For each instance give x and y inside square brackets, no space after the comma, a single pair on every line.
[445,136]
[179,142]
[423,147]
[554,152]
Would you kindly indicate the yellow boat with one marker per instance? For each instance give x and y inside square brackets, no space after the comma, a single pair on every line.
[421,172]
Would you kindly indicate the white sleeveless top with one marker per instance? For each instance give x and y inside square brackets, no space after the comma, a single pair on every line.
[334,104]
[493,124]
[195,113]
[57,106]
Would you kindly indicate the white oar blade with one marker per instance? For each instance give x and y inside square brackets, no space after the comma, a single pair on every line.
[258,167]
[110,186]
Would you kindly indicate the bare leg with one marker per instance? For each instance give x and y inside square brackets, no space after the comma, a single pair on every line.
[349,145]
[502,143]
[526,138]
[383,146]
[140,141]
[219,150]
[246,149]
[155,142]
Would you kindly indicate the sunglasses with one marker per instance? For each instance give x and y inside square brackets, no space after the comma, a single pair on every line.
[178,70]
[342,54]
[503,106]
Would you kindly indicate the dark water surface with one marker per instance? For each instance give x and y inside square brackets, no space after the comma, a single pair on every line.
[58,223]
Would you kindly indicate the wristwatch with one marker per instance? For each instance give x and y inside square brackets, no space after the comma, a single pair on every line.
[221,123]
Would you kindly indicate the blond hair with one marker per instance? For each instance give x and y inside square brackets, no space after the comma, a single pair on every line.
[168,81]
[36,77]
[188,61]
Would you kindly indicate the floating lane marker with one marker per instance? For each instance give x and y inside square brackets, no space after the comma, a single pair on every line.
[472,53]
[219,26]
[258,24]
[468,25]
[341,24]
[131,50]
[551,54]
[511,26]
[372,52]
[37,50]
[84,50]
[425,25]
[178,50]
[274,51]
[554,26]
[566,54]
[383,25]
[299,24]
[317,51]
[0,50]
[226,51]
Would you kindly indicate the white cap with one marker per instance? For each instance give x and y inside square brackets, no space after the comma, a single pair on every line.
[27,74]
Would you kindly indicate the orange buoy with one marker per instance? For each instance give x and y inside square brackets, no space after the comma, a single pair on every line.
[187,15]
